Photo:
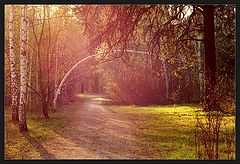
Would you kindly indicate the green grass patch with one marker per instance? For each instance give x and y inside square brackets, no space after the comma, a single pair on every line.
[170,129]
[168,109]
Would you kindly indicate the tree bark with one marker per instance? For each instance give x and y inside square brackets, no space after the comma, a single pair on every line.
[14,88]
[96,83]
[56,73]
[45,107]
[23,71]
[82,87]
[166,78]
[210,58]
[200,74]
[29,95]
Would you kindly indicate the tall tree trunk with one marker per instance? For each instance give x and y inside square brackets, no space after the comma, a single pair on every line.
[48,66]
[56,72]
[210,58]
[23,71]
[37,82]
[200,74]
[45,107]
[14,88]
[29,95]
[166,78]
[96,83]
[82,87]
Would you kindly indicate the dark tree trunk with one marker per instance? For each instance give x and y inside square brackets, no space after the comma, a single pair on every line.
[96,83]
[82,88]
[45,109]
[210,58]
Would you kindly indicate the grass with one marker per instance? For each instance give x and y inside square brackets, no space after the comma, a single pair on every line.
[29,145]
[171,129]
[168,129]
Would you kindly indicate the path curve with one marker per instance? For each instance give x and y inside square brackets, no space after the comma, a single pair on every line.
[97,133]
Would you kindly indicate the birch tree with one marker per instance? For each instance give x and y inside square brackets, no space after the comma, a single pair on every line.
[23,71]
[13,66]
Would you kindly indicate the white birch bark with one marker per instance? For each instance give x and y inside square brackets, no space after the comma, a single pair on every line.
[23,71]
[13,66]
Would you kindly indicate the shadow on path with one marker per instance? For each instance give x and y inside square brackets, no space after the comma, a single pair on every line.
[44,153]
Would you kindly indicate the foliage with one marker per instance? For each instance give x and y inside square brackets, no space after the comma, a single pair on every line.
[168,34]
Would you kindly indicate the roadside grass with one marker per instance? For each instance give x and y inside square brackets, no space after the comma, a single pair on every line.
[29,145]
[171,129]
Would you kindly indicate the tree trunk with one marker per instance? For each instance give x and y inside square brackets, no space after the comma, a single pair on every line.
[210,58]
[48,66]
[200,74]
[82,87]
[29,95]
[23,71]
[45,107]
[56,72]
[96,83]
[166,78]
[13,67]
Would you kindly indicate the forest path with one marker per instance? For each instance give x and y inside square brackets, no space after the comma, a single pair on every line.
[97,133]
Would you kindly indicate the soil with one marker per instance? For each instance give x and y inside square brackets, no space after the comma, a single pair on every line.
[94,132]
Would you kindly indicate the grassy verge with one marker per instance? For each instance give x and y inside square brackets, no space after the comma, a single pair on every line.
[30,145]
[171,129]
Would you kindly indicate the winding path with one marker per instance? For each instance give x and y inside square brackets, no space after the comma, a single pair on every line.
[97,133]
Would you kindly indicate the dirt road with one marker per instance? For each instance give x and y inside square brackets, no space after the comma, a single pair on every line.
[97,133]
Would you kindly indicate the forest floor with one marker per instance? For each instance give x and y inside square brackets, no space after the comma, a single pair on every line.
[90,128]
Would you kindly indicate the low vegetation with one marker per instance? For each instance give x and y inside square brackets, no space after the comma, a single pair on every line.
[29,145]
[172,130]
[168,130]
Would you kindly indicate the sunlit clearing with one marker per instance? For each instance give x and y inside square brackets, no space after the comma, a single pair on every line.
[101,99]
[81,95]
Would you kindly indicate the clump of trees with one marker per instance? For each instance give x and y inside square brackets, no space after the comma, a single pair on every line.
[189,53]
[42,43]
[181,51]
[138,54]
